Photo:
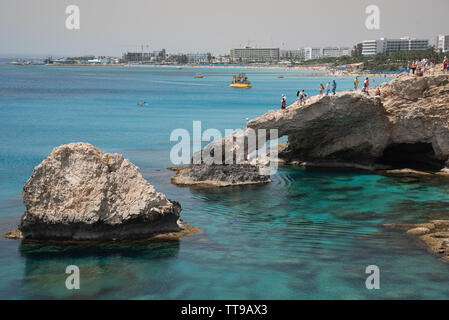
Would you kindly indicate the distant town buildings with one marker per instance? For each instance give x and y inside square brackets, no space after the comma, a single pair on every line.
[336,52]
[250,54]
[388,46]
[442,43]
[144,57]
[313,53]
[198,58]
[292,54]
[82,60]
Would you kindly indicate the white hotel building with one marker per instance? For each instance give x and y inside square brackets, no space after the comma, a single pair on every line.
[388,46]
[443,42]
[334,52]
[250,54]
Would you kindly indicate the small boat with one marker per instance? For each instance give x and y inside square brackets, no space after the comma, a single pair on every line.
[179,68]
[240,81]
[198,75]
[19,63]
[280,77]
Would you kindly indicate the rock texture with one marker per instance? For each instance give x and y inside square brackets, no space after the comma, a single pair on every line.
[213,175]
[406,127]
[82,193]
[410,117]
[434,234]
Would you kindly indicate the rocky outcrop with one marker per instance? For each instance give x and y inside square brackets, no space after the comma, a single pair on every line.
[82,193]
[407,126]
[215,175]
[434,234]
[409,122]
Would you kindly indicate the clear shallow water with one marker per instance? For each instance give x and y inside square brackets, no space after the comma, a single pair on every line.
[308,234]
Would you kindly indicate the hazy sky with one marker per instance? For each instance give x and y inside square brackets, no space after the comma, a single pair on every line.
[109,27]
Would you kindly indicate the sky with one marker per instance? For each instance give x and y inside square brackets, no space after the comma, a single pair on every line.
[111,27]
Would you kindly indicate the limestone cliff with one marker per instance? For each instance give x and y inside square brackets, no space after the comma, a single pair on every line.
[409,122]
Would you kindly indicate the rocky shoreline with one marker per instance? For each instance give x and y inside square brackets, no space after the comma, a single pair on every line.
[407,126]
[434,234]
[204,175]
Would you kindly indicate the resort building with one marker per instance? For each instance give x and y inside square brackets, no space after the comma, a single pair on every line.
[251,54]
[144,56]
[198,57]
[443,43]
[388,46]
[313,53]
[336,52]
[293,54]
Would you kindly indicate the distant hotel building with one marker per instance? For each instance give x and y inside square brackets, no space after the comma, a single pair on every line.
[336,52]
[443,43]
[292,54]
[198,57]
[250,54]
[388,46]
[313,53]
[143,56]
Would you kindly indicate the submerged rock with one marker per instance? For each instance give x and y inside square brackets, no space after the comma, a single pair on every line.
[435,234]
[82,193]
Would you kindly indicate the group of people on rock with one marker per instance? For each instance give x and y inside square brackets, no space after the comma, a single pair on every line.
[328,85]
[365,86]
[302,96]
[418,67]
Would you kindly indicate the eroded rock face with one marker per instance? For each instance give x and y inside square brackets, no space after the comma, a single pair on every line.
[80,192]
[406,127]
[411,117]
[213,175]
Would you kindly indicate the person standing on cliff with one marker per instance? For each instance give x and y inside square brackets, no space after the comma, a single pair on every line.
[414,66]
[328,85]
[300,95]
[445,63]
[365,86]
[356,83]
[334,87]
[321,88]
[283,102]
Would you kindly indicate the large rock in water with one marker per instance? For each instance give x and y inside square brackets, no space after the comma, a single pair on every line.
[406,127]
[80,192]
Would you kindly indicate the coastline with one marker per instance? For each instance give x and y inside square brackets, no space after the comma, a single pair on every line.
[316,70]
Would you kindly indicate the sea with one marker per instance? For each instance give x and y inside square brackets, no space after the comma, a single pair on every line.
[309,234]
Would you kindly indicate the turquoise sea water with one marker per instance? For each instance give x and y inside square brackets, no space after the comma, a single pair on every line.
[307,235]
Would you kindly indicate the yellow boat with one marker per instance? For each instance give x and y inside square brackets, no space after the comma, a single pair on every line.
[198,75]
[240,81]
